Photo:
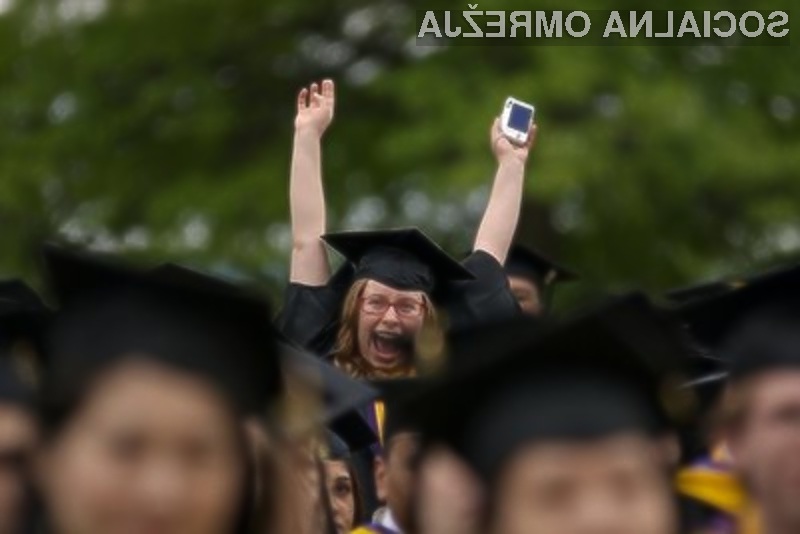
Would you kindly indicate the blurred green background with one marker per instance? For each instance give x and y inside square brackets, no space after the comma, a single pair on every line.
[162,129]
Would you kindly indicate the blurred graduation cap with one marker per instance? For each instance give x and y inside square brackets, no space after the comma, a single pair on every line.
[341,396]
[767,339]
[14,387]
[531,264]
[713,318]
[17,298]
[188,277]
[110,311]
[336,447]
[22,312]
[702,291]
[341,400]
[405,258]
[618,368]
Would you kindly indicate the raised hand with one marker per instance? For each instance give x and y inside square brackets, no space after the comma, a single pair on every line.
[315,107]
[504,149]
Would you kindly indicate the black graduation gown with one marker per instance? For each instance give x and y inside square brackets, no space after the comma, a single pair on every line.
[310,314]
[486,299]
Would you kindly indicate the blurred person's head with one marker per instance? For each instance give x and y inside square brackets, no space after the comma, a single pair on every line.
[449,497]
[298,488]
[397,464]
[564,427]
[18,439]
[395,475]
[611,484]
[762,419]
[591,466]
[23,317]
[319,488]
[144,400]
[531,277]
[390,301]
[526,292]
[147,448]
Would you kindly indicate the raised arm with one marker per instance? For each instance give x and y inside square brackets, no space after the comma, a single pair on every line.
[499,222]
[309,264]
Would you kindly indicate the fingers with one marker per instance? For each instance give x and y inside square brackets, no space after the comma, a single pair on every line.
[496,136]
[495,133]
[328,88]
[316,94]
[302,99]
[531,136]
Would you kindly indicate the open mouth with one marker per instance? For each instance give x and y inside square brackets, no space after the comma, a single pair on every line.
[390,347]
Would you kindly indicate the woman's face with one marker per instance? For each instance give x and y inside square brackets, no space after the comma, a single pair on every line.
[341,494]
[151,450]
[388,322]
[527,295]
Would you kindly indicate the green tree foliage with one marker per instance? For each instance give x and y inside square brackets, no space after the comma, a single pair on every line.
[162,129]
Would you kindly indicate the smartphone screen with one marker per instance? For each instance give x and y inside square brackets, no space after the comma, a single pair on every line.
[520,118]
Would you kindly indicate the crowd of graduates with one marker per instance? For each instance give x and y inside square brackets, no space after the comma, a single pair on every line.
[405,391]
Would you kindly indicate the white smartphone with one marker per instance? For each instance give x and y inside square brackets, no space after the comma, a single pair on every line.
[516,120]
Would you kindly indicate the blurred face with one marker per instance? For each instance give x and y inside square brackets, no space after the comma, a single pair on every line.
[17,440]
[299,506]
[395,476]
[527,295]
[614,485]
[341,494]
[151,451]
[388,322]
[766,446]
[306,477]
[449,495]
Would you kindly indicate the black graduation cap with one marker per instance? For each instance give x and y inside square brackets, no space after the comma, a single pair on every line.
[22,312]
[354,431]
[16,297]
[110,311]
[618,368]
[531,264]
[767,339]
[405,258]
[14,388]
[189,277]
[712,319]
[341,395]
[337,447]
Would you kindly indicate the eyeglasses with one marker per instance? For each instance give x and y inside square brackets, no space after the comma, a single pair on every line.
[378,305]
